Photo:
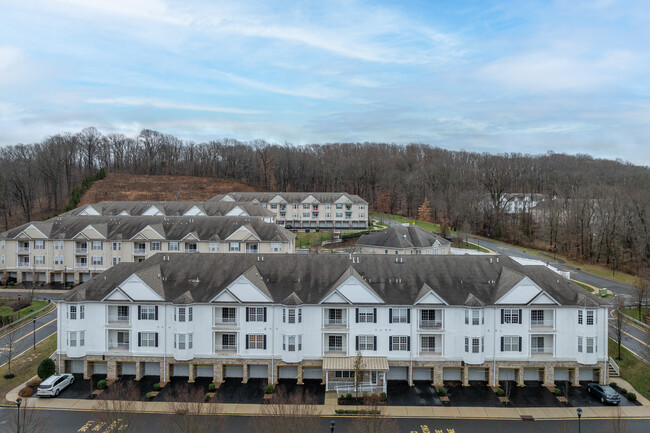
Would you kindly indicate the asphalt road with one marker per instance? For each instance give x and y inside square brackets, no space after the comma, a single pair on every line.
[23,337]
[76,421]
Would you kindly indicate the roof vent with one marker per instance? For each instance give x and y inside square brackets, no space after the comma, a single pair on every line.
[497,260]
[404,237]
[490,259]
[262,258]
[396,260]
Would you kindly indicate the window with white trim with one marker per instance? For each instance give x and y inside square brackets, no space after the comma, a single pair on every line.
[511,343]
[580,321]
[276,247]
[2,260]
[475,345]
[182,314]
[179,341]
[173,246]
[72,339]
[428,343]
[2,244]
[147,312]
[367,342]
[579,344]
[399,315]
[212,246]
[116,246]
[511,315]
[39,245]
[366,315]
[82,311]
[116,260]
[591,318]
[256,314]
[148,339]
[97,260]
[72,312]
[399,342]
[97,245]
[344,374]
[155,246]
[39,260]
[591,345]
[234,247]
[256,341]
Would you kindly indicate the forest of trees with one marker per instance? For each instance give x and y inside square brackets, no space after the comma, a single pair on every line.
[596,210]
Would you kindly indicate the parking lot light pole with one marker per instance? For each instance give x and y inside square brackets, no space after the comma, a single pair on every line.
[332,424]
[18,401]
[579,415]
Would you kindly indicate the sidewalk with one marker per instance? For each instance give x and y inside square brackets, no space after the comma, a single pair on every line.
[330,406]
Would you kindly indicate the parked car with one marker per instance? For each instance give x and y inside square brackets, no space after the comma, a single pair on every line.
[53,385]
[605,393]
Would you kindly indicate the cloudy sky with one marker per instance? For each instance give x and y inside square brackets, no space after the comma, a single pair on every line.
[497,76]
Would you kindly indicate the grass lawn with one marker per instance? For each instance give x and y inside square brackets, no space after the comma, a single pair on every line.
[468,246]
[36,305]
[632,368]
[312,239]
[633,312]
[584,286]
[400,219]
[24,367]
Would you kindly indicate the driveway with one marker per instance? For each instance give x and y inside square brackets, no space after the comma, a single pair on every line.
[420,394]
[580,396]
[311,387]
[533,394]
[477,394]
[80,389]
[233,391]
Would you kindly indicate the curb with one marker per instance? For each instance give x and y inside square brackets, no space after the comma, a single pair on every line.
[633,320]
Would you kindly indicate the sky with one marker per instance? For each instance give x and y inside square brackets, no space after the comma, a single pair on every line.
[489,76]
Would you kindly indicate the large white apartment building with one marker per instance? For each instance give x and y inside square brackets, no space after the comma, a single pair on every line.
[303,210]
[174,209]
[433,318]
[72,249]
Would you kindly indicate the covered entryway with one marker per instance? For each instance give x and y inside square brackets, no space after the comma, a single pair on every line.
[478,374]
[340,377]
[152,368]
[452,374]
[233,371]
[534,374]
[258,371]
[398,373]
[180,370]
[205,370]
[423,373]
[288,372]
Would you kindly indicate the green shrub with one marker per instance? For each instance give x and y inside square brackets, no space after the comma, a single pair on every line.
[339,411]
[442,391]
[101,384]
[268,389]
[612,383]
[156,387]
[207,397]
[149,396]
[557,391]
[501,392]
[46,368]
[623,391]
[348,396]
[212,387]
[631,396]
[383,396]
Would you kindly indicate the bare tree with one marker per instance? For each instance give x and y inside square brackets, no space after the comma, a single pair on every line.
[618,421]
[619,330]
[8,353]
[118,407]
[358,372]
[288,413]
[640,293]
[26,419]
[373,422]
[192,414]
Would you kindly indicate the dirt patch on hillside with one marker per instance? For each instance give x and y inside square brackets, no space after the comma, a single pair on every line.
[121,187]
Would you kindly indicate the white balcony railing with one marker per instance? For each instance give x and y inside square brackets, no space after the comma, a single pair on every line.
[23,264]
[431,324]
[139,250]
[226,348]
[81,265]
[336,322]
[541,323]
[118,319]
[81,250]
[23,250]
[114,346]
[541,351]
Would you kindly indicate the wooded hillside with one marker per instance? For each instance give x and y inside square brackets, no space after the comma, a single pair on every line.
[600,210]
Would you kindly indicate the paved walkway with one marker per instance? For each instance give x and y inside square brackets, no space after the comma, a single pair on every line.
[330,406]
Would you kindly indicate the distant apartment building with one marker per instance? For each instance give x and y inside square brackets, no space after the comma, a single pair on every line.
[72,249]
[513,203]
[306,317]
[409,239]
[173,209]
[302,210]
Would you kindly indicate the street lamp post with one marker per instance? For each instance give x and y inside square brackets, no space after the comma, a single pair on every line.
[579,411]
[18,401]
[332,424]
[34,322]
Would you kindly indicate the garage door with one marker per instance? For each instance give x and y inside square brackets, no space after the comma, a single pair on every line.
[397,373]
[233,371]
[562,374]
[422,374]
[128,368]
[479,374]
[288,372]
[99,368]
[312,373]
[451,374]
[77,366]
[204,371]
[532,374]
[180,370]
[586,374]
[152,369]
[258,371]
[507,374]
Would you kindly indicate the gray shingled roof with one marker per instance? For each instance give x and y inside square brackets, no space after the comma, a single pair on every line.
[291,197]
[171,228]
[411,236]
[172,208]
[308,278]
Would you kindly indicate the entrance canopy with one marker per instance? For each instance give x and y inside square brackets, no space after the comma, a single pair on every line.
[347,363]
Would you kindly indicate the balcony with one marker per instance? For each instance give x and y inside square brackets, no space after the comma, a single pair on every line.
[537,324]
[191,250]
[81,250]
[541,352]
[23,264]
[228,348]
[81,265]
[430,324]
[338,320]
[139,250]
[335,351]
[114,346]
[23,250]
[431,351]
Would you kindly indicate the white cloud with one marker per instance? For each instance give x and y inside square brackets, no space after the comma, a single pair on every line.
[9,57]
[159,103]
